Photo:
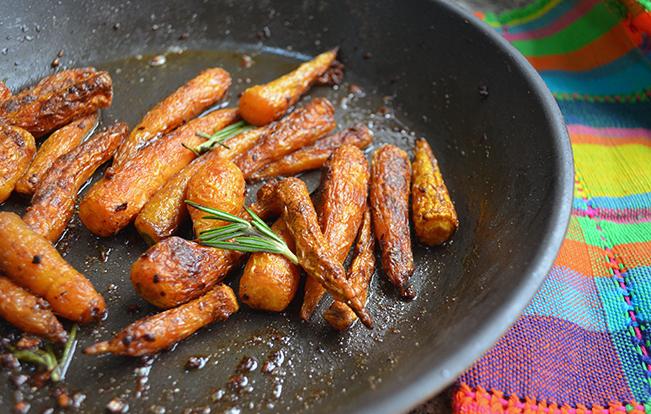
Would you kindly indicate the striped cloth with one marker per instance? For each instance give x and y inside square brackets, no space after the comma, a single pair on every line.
[584,343]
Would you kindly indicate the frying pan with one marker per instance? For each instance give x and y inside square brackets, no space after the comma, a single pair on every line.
[421,66]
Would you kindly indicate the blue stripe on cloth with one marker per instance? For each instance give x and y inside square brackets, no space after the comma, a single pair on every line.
[546,19]
[634,201]
[607,115]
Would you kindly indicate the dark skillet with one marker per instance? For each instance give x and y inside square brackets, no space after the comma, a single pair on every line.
[505,156]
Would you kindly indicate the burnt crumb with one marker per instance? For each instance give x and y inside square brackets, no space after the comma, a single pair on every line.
[265,33]
[36,259]
[121,207]
[133,308]
[156,279]
[149,337]
[237,382]
[247,364]
[184,36]
[116,26]
[408,293]
[195,362]
[333,76]
[158,60]
[55,63]
[354,89]
[367,55]
[116,405]
[483,91]
[246,61]
[28,342]
[63,399]
[60,53]
[21,407]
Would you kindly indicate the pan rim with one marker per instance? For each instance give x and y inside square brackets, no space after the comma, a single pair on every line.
[425,387]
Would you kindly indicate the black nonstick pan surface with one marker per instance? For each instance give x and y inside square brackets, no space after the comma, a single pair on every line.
[413,68]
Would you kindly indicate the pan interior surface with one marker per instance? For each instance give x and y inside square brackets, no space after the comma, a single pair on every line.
[411,70]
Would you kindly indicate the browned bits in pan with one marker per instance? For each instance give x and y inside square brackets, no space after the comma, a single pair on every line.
[343,200]
[432,210]
[53,203]
[160,331]
[17,148]
[114,201]
[60,142]
[28,313]
[164,212]
[218,184]
[174,271]
[32,262]
[314,156]
[300,128]
[333,76]
[339,315]
[312,249]
[270,281]
[389,197]
[262,104]
[58,100]
[182,105]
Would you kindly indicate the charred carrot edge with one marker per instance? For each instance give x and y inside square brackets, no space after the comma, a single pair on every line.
[17,147]
[5,93]
[185,103]
[262,104]
[53,203]
[160,331]
[315,156]
[434,216]
[61,141]
[339,315]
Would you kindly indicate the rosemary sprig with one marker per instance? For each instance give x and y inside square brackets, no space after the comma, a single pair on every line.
[220,136]
[48,359]
[242,235]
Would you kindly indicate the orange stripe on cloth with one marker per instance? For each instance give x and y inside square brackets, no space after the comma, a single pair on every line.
[583,258]
[634,254]
[607,48]
[470,401]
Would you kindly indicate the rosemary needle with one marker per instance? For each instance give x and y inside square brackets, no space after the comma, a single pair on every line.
[220,136]
[242,235]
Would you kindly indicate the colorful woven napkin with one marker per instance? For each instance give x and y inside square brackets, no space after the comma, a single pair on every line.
[584,343]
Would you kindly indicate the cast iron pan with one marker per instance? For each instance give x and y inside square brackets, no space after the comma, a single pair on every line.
[421,64]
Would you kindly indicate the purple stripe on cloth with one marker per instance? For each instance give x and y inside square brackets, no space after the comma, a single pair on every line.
[551,359]
[628,216]
[582,8]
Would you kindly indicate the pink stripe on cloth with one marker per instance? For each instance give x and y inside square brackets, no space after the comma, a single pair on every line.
[582,8]
[609,132]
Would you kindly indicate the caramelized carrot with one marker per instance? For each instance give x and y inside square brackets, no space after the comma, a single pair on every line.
[432,210]
[53,203]
[314,253]
[262,104]
[300,128]
[315,155]
[114,201]
[28,313]
[389,199]
[165,211]
[343,199]
[58,100]
[17,147]
[160,331]
[33,263]
[5,93]
[339,315]
[182,105]
[60,142]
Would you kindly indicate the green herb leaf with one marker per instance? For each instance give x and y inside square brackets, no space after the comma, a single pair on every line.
[242,235]
[219,137]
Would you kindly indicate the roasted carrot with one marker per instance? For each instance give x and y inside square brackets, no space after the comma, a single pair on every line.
[165,211]
[30,261]
[315,155]
[17,148]
[182,105]
[389,199]
[217,183]
[28,312]
[343,199]
[432,210]
[58,100]
[53,203]
[339,315]
[5,93]
[114,201]
[270,281]
[300,128]
[314,253]
[59,143]
[160,331]
[262,104]
[174,271]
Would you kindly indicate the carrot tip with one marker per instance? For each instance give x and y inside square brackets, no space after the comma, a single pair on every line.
[98,348]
